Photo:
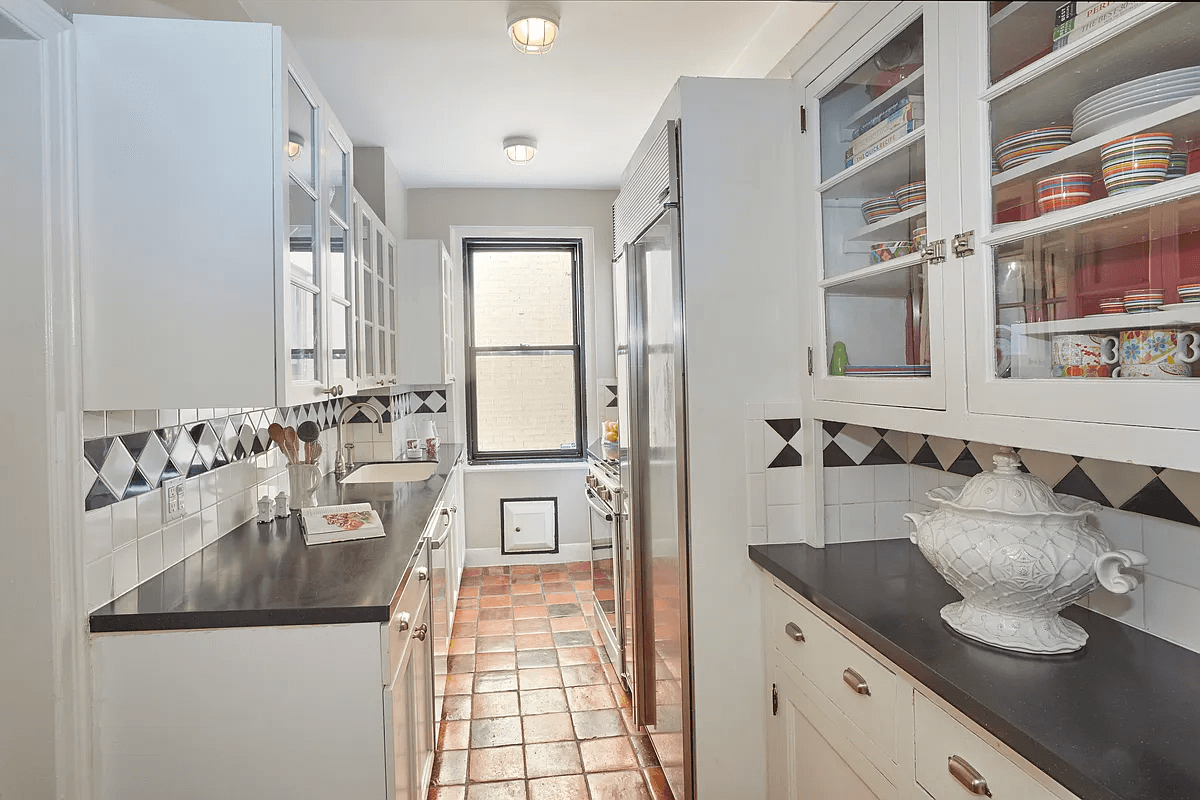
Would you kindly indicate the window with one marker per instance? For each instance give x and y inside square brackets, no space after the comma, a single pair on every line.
[524,349]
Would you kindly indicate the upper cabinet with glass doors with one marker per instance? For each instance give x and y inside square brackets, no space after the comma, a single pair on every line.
[375,279]
[875,200]
[1081,179]
[214,261]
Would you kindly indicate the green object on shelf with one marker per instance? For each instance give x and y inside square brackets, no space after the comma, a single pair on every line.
[837,364]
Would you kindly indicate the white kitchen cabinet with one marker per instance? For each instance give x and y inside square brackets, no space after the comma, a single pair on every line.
[426,314]
[213,258]
[409,720]
[377,290]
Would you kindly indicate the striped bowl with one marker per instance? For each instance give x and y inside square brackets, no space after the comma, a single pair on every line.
[877,208]
[1028,145]
[1177,167]
[1063,191]
[1137,161]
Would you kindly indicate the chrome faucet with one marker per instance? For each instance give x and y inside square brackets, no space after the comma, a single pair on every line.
[341,467]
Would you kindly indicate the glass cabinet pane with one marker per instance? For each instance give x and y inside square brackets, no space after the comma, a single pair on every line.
[339,238]
[337,171]
[300,149]
[883,323]
[341,334]
[302,340]
[302,219]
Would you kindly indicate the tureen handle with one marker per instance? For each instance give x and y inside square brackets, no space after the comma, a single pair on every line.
[915,519]
[1108,568]
[1007,462]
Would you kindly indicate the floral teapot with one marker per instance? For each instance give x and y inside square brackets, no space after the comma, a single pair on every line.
[1018,554]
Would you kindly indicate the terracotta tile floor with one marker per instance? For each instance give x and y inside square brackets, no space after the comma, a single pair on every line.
[532,709]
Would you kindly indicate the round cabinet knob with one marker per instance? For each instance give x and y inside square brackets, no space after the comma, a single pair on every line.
[453,509]
[402,622]
[421,631]
[422,574]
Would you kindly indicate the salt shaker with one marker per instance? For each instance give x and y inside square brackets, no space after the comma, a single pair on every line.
[264,510]
[281,505]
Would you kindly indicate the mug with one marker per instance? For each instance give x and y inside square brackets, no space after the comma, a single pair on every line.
[1152,345]
[1079,355]
[1159,369]
[302,482]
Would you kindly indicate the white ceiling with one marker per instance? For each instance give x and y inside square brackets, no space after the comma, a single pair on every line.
[437,83]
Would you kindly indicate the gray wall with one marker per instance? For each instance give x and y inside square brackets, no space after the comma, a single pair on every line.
[378,181]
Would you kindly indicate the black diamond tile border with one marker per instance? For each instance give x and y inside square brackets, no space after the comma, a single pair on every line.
[785,451]
[1153,498]
[198,447]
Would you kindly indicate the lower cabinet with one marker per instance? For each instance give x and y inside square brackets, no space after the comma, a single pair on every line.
[845,724]
[408,705]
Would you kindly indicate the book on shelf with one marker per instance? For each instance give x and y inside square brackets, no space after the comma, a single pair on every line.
[903,120]
[325,524]
[888,111]
[1075,21]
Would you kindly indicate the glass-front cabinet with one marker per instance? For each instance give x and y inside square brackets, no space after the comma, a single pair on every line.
[1081,179]
[872,136]
[377,290]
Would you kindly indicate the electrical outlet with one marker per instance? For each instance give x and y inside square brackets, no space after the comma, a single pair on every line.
[173,495]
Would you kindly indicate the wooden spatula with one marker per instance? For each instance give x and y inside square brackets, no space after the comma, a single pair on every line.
[276,432]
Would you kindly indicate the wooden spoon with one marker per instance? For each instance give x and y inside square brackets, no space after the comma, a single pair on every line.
[275,431]
[293,444]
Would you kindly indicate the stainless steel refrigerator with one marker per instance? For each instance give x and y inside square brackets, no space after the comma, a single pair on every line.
[648,294]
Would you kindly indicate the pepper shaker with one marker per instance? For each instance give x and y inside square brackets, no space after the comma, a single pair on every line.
[281,505]
[264,510]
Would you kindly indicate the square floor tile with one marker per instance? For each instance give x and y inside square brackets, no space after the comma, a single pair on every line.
[450,767]
[538,625]
[460,683]
[526,588]
[548,728]
[455,664]
[565,787]
[509,790]
[449,793]
[608,754]
[503,601]
[540,678]
[527,612]
[558,624]
[456,706]
[535,641]
[597,724]
[529,659]
[494,644]
[552,758]
[590,698]
[617,786]
[572,639]
[496,764]
[528,600]
[495,627]
[487,614]
[495,704]
[568,598]
[456,735]
[495,732]
[487,662]
[502,680]
[568,656]
[462,647]
[583,675]
[543,701]
[465,630]
[495,590]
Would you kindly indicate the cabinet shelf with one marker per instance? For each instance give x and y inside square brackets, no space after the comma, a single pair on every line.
[1180,120]
[882,173]
[889,279]
[1172,318]
[916,81]
[1167,191]
[878,231]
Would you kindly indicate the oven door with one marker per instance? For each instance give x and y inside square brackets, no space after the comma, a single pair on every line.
[605,538]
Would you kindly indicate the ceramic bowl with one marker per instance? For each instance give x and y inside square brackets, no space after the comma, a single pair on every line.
[911,194]
[1177,165]
[1063,191]
[886,251]
[1028,145]
[877,208]
[921,239]
[1137,161]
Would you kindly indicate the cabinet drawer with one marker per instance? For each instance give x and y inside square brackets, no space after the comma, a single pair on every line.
[941,738]
[408,616]
[835,665]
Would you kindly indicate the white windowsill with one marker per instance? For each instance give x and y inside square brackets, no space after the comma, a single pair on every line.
[580,465]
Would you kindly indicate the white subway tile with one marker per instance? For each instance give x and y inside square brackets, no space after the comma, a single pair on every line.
[93,425]
[833,529]
[118,422]
[193,533]
[124,522]
[756,499]
[922,480]
[211,529]
[784,486]
[1129,608]
[187,416]
[889,520]
[830,484]
[203,414]
[784,523]
[209,491]
[856,485]
[173,547]
[952,479]
[1171,612]
[755,410]
[227,482]
[758,535]
[755,449]
[891,482]
[97,534]
[125,569]
[149,512]
[857,522]
[145,419]
[168,417]
[227,514]
[1123,528]
[98,582]
[150,555]
[191,495]
[1173,549]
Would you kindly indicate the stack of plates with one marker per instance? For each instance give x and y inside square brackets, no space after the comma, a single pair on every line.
[1134,99]
[1112,305]
[1133,162]
[1143,301]
[1028,145]
[1063,191]
[1177,168]
[893,371]
[877,208]
[910,194]
[1189,293]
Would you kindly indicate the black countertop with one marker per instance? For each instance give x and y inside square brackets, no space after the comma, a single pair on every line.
[266,575]
[1119,720]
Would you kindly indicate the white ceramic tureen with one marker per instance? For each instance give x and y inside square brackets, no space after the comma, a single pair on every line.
[1018,554]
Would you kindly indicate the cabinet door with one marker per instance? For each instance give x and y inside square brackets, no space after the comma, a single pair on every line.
[409,702]
[876,205]
[808,758]
[1081,181]
[447,317]
[342,336]
[365,295]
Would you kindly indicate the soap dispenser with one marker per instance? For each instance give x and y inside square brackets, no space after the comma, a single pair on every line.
[430,435]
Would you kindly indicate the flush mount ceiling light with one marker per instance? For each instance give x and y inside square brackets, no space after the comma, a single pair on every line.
[520,149]
[294,146]
[532,28]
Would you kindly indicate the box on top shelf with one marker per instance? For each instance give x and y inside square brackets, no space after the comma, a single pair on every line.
[903,116]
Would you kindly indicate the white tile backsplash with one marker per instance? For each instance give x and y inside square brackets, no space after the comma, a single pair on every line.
[124,522]
[756,499]
[149,512]
[785,523]
[755,445]
[97,534]
[150,555]
[857,522]
[784,486]
[833,524]
[892,483]
[889,520]
[1173,549]
[125,568]
[1172,612]
[856,485]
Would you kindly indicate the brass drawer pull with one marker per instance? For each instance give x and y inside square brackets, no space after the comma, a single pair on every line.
[793,630]
[855,681]
[968,776]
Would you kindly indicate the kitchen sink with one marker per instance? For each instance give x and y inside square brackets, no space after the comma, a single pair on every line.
[396,472]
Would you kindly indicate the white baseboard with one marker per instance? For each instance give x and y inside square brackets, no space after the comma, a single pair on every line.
[492,557]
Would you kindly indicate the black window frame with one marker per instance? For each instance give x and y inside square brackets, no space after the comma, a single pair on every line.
[493,244]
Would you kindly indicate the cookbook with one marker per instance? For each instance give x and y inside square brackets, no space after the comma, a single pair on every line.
[325,524]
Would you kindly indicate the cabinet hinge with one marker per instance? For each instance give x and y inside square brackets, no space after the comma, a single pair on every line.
[810,367]
[963,244]
[803,120]
[774,700]
[935,252]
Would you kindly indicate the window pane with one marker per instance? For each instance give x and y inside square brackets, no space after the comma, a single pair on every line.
[302,219]
[522,297]
[525,402]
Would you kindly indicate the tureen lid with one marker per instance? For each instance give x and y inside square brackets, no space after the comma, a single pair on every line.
[1008,490]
